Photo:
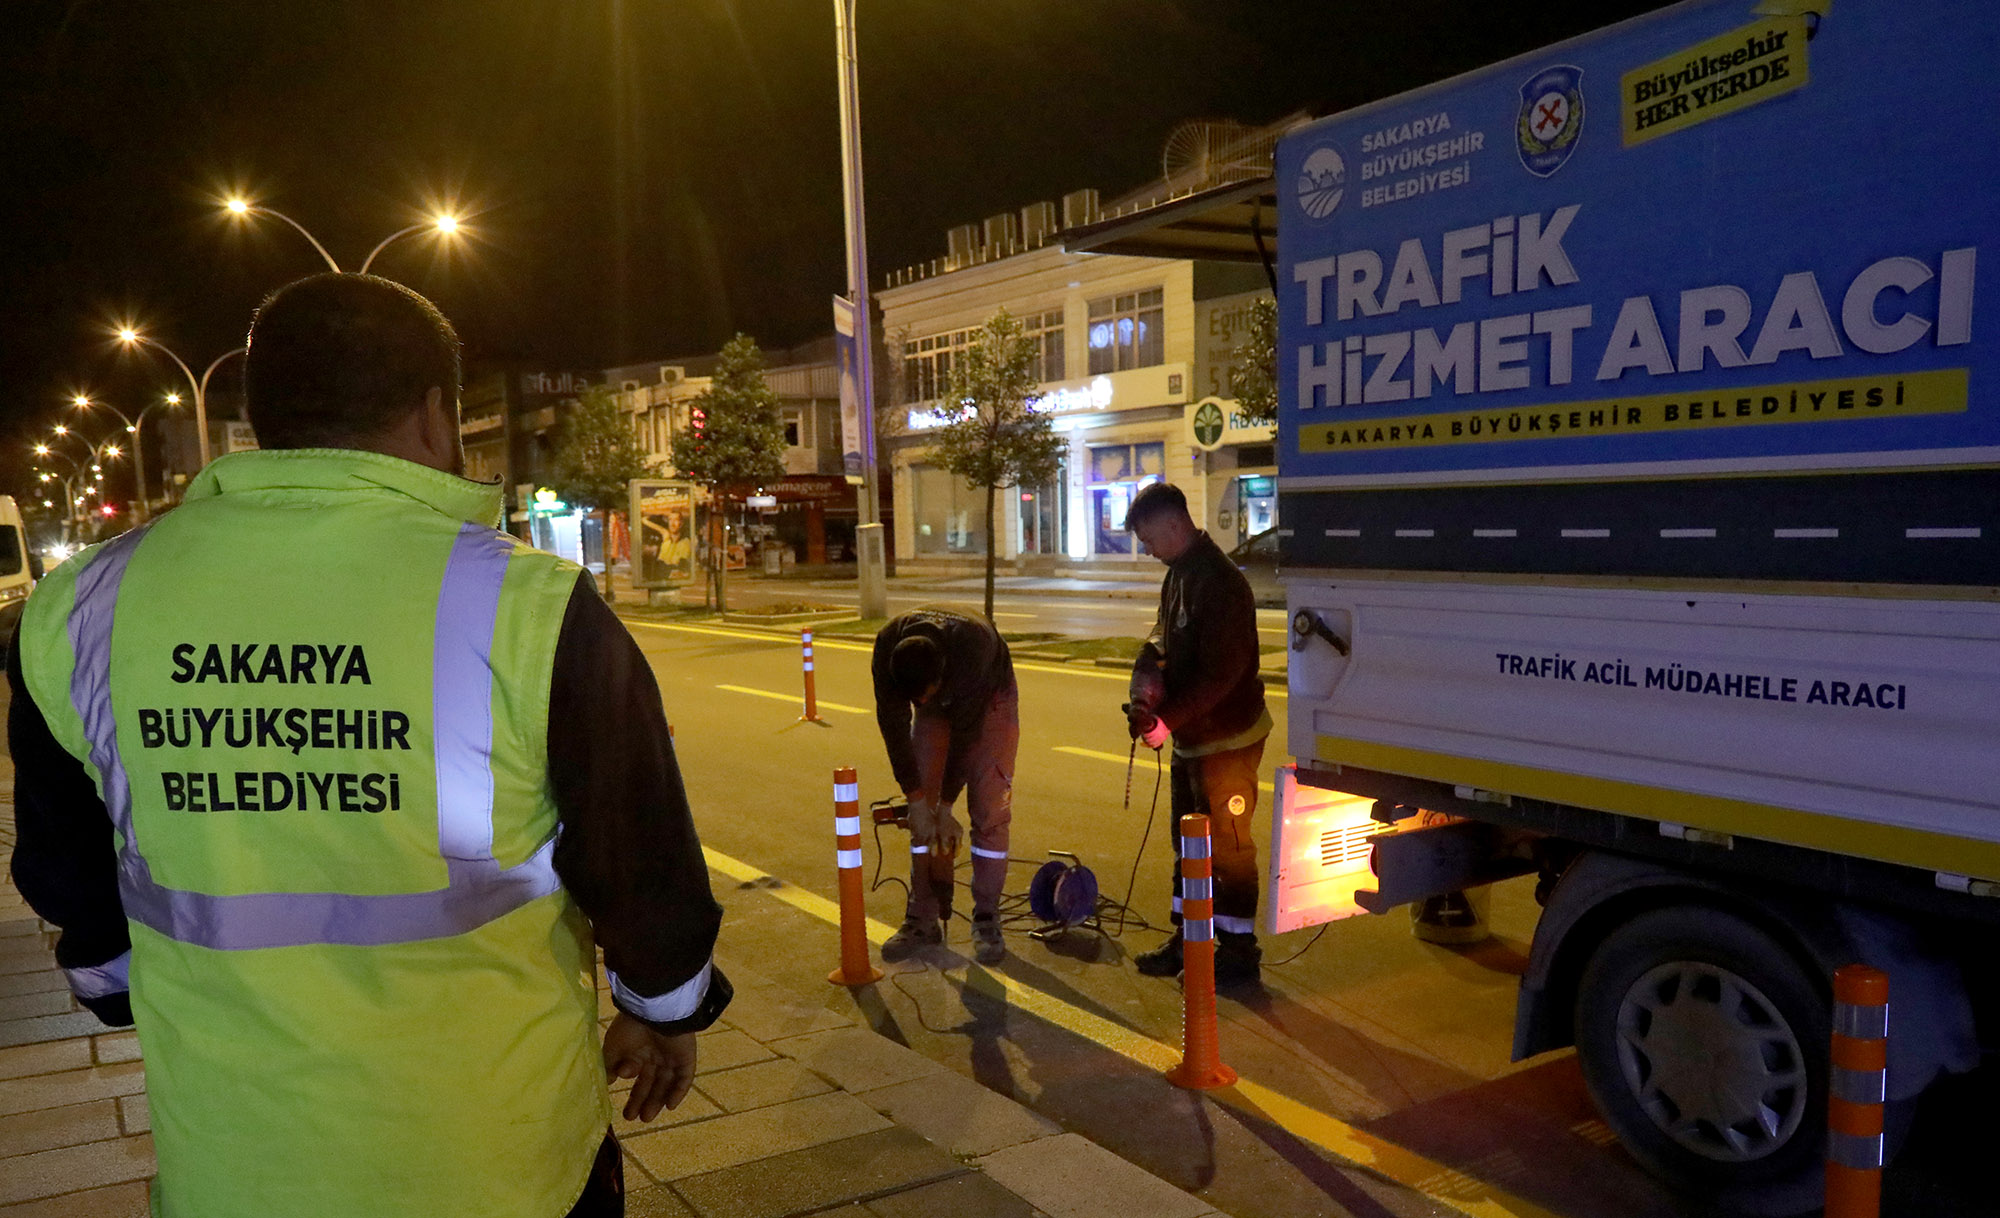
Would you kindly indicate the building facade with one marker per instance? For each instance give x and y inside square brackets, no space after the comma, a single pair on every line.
[1128,347]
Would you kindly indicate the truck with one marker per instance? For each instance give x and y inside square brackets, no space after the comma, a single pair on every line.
[1639,482]
[19,568]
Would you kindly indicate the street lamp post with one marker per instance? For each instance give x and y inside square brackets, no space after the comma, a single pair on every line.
[869,542]
[95,456]
[132,426]
[128,335]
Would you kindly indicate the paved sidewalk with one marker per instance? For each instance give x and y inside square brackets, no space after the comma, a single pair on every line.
[796,1110]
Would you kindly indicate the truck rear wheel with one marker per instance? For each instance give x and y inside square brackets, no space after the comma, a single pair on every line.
[1704,1043]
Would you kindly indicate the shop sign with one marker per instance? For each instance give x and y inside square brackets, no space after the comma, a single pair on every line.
[1214,422]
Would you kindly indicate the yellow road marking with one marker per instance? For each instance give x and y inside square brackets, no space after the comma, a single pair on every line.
[798,698]
[1099,755]
[1073,670]
[1428,1178]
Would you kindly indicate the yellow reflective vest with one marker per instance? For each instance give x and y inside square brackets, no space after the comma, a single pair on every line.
[315,701]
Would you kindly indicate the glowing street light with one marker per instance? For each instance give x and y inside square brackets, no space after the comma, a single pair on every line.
[131,336]
[132,426]
[443,223]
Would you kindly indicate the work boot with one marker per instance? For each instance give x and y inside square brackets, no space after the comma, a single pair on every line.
[987,947]
[1162,961]
[915,935]
[1237,958]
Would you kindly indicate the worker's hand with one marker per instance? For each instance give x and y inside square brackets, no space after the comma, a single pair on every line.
[947,835]
[661,1067]
[923,819]
[1156,734]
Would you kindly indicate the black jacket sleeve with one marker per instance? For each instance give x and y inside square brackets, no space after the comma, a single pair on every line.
[1217,654]
[65,864]
[628,853]
[893,712]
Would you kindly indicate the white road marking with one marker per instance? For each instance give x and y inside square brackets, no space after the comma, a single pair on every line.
[797,699]
[1101,755]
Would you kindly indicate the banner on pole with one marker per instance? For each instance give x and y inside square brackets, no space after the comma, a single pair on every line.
[851,439]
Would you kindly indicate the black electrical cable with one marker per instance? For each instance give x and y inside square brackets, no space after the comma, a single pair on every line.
[1302,951]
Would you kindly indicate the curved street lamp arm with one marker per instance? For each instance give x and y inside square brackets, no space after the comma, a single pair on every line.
[201,387]
[272,211]
[389,240]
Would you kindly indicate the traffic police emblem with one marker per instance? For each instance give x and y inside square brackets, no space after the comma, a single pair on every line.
[1551,118]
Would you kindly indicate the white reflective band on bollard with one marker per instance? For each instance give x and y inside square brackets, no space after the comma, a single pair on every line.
[847,793]
[847,824]
[848,858]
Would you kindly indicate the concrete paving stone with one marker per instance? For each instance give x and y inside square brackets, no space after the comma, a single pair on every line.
[26,1006]
[762,1085]
[70,1087]
[39,1028]
[958,1114]
[44,1058]
[135,1113]
[696,1107]
[652,1201]
[768,1012]
[726,1051]
[73,1168]
[31,957]
[972,1195]
[118,1201]
[738,1138]
[1071,1176]
[858,1059]
[606,1008]
[15,928]
[112,1047]
[25,1133]
[810,1180]
[14,984]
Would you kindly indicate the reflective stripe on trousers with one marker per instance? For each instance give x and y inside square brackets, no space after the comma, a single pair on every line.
[478,889]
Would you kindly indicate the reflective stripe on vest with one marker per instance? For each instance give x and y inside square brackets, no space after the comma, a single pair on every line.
[478,889]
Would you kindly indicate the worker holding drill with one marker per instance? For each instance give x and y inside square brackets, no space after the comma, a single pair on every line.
[1195,682]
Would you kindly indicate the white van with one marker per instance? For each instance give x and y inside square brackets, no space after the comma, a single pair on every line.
[17,569]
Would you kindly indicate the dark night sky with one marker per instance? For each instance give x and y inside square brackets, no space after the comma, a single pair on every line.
[647,176]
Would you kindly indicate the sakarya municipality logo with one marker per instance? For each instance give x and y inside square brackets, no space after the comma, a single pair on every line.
[1322,182]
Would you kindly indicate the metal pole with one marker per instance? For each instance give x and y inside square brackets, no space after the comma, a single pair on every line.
[139,464]
[869,542]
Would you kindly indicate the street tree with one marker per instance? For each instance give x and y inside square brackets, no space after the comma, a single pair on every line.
[597,454]
[989,435]
[741,439]
[1253,380]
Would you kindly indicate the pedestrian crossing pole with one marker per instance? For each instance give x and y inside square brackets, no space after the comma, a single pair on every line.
[855,968]
[812,694]
[1201,1067]
[1859,1088]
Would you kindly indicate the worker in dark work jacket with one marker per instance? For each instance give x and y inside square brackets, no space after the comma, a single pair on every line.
[1196,683]
[949,711]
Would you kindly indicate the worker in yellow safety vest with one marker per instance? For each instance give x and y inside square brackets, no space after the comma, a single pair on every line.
[330,786]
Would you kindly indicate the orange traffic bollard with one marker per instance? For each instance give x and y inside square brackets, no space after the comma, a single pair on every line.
[855,968]
[812,696]
[1859,1087]
[1201,1067]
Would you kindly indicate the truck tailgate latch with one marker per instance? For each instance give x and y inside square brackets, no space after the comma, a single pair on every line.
[1306,625]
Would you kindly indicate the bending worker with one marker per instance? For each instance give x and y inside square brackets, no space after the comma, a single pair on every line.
[1196,681]
[330,786]
[950,717]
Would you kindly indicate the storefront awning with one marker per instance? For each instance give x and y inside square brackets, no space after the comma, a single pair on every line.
[1236,222]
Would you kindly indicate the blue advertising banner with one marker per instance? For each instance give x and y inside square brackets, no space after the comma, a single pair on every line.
[1728,237]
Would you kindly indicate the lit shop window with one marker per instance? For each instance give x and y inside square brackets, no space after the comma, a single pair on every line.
[1128,331]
